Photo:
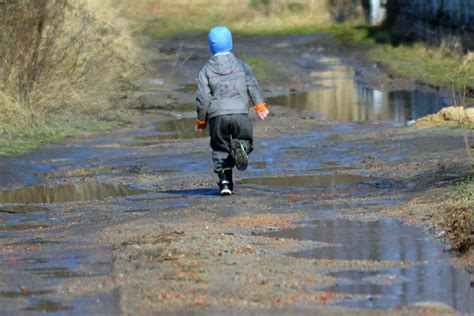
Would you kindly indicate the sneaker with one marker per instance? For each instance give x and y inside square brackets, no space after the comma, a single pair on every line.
[224,188]
[228,177]
[239,154]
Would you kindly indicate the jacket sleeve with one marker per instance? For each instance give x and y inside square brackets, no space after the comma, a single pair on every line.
[253,87]
[203,96]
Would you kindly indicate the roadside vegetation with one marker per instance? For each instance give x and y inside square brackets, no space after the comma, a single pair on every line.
[453,215]
[65,67]
[439,66]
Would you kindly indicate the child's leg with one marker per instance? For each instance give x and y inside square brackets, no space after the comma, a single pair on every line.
[242,140]
[223,162]
[219,129]
[241,129]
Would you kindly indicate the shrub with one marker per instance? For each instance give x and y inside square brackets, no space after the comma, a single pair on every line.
[61,55]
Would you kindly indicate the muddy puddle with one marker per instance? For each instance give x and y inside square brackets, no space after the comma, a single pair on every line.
[386,240]
[22,209]
[42,265]
[83,172]
[332,169]
[185,107]
[383,239]
[343,98]
[23,293]
[187,88]
[65,193]
[176,128]
[17,228]
[312,180]
[180,128]
[393,287]
[47,306]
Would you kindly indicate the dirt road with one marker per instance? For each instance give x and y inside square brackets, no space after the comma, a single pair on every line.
[129,222]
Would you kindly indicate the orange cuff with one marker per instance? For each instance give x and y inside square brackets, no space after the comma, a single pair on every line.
[262,106]
[201,123]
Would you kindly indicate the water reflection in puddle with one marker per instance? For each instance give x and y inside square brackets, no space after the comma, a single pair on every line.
[22,209]
[405,286]
[185,107]
[47,306]
[84,172]
[187,88]
[66,193]
[386,240]
[18,228]
[23,293]
[56,273]
[383,239]
[332,169]
[180,128]
[346,99]
[258,164]
[314,180]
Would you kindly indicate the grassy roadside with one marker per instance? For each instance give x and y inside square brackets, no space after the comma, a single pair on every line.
[435,66]
[455,216]
[62,125]
[449,210]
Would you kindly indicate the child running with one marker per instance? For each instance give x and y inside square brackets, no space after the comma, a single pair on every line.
[226,87]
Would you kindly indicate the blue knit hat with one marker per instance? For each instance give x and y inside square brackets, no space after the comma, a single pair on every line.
[220,40]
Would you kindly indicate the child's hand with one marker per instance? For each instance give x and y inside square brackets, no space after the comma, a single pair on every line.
[263,114]
[200,125]
[262,110]
[199,129]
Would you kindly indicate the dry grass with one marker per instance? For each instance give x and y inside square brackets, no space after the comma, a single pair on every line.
[165,18]
[79,57]
[455,215]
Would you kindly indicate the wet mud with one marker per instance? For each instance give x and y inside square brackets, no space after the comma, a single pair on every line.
[310,180]
[130,222]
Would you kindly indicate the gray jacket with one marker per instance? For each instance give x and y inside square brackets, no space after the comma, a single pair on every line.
[226,85]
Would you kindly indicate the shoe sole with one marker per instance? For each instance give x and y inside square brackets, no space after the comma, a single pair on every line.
[226,192]
[239,155]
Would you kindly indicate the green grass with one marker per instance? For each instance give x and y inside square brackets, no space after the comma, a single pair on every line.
[62,125]
[410,59]
[265,70]
[429,65]
[464,190]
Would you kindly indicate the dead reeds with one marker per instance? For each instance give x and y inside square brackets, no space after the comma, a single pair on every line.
[61,56]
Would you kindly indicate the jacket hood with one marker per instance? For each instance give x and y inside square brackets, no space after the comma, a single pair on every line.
[223,64]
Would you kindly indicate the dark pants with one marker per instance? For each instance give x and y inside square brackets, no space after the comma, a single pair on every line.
[223,129]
